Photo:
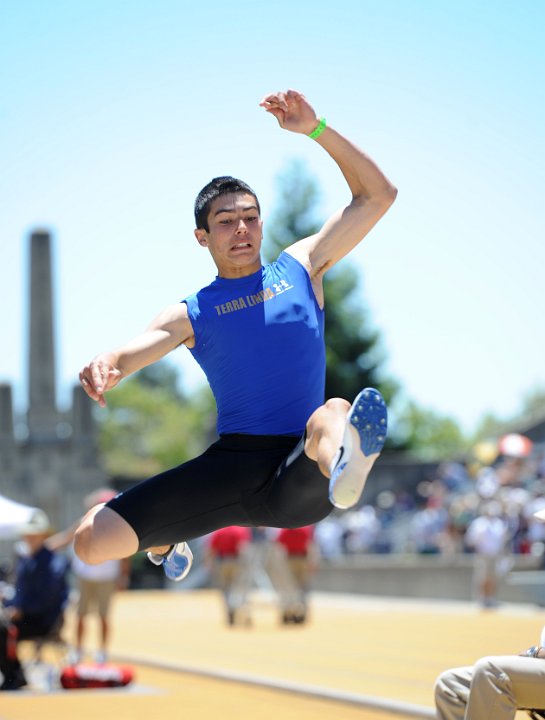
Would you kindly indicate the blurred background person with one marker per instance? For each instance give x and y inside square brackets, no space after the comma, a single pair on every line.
[427,528]
[361,530]
[266,568]
[300,552]
[488,535]
[328,535]
[41,594]
[96,586]
[227,557]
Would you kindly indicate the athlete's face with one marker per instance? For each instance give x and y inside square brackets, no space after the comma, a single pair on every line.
[235,234]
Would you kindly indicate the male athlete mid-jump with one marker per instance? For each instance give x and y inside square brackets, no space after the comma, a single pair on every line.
[284,458]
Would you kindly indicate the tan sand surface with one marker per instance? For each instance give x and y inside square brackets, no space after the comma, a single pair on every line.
[384,650]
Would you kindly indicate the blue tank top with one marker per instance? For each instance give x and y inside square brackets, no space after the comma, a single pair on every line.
[260,341]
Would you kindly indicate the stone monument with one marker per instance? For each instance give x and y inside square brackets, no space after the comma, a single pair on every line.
[53,463]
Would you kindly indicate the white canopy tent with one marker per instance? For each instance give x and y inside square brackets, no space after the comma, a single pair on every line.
[13,515]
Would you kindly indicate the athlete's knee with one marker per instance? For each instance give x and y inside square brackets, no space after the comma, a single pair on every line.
[84,546]
[337,406]
[90,541]
[332,408]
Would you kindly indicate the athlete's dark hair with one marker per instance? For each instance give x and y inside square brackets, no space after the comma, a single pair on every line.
[215,188]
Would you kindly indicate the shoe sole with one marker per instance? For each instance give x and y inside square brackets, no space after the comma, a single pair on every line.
[363,440]
[187,554]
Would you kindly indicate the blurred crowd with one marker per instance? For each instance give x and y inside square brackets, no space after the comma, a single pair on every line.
[443,514]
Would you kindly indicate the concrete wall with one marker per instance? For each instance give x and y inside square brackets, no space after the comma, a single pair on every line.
[431,577]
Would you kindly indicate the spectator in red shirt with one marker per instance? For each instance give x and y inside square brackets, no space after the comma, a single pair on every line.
[301,553]
[227,557]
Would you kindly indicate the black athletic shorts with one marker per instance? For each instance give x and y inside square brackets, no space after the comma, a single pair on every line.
[246,480]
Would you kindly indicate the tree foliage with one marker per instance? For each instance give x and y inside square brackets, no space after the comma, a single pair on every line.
[149,425]
[533,402]
[429,435]
[532,409]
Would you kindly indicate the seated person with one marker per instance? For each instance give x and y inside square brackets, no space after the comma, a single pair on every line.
[41,593]
[494,687]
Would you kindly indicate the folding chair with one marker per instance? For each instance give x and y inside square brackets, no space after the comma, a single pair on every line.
[53,638]
[536,714]
[46,672]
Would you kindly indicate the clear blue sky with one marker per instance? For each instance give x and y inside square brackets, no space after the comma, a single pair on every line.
[114,114]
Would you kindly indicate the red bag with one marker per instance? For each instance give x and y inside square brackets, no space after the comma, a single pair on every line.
[96,676]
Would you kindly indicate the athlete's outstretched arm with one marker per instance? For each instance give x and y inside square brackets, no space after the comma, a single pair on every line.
[372,192]
[167,331]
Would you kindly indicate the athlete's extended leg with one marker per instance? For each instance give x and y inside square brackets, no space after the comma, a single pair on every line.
[346,442]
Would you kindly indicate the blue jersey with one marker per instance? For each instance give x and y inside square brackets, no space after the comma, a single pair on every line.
[260,341]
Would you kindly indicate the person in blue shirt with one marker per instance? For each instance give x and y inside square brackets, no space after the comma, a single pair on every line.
[284,457]
[37,606]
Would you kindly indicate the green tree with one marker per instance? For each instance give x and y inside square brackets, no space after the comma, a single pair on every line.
[491,426]
[429,435]
[354,355]
[532,408]
[533,402]
[150,425]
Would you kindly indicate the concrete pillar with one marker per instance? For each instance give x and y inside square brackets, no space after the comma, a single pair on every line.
[6,415]
[8,446]
[42,412]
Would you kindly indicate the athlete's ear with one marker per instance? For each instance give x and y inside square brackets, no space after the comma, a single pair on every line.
[200,234]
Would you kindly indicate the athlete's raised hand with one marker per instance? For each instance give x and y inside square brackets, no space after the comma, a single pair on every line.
[99,376]
[292,110]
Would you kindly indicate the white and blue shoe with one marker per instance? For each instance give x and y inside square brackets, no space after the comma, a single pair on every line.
[176,562]
[363,440]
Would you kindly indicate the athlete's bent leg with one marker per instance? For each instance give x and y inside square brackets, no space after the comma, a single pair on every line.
[346,441]
[104,535]
[363,439]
